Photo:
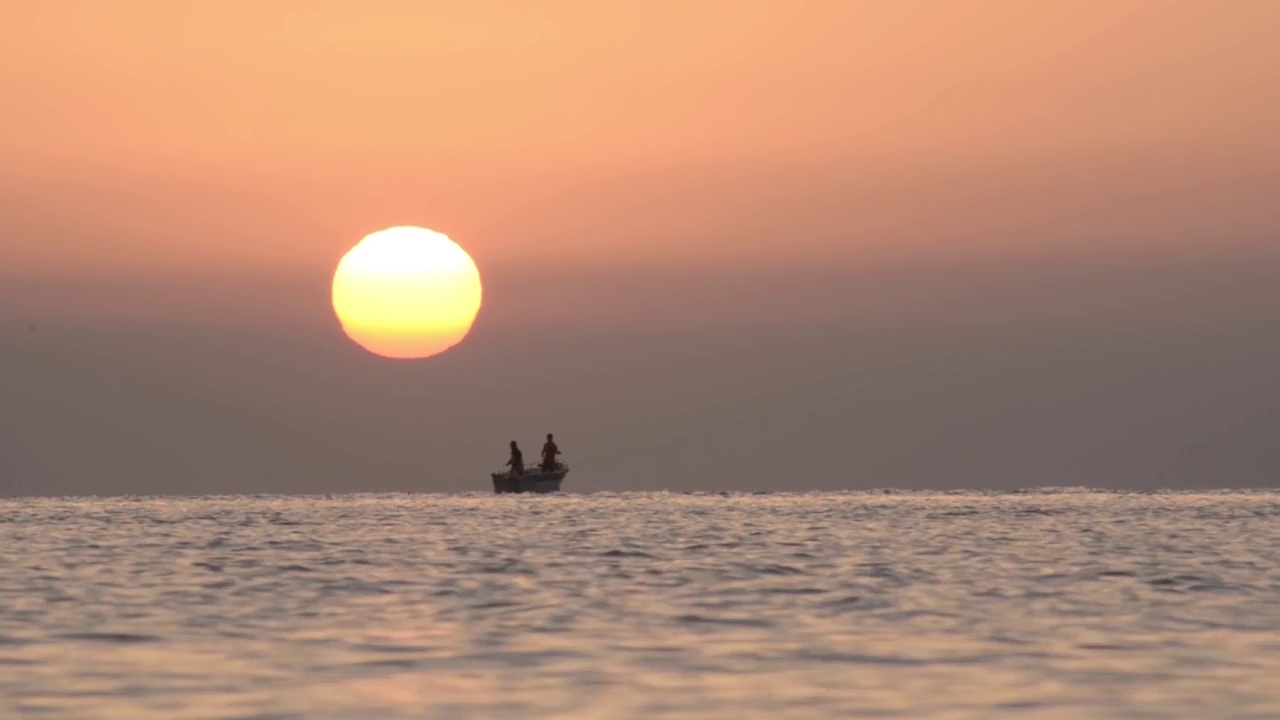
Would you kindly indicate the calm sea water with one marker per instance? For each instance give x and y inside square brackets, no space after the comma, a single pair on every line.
[1031,605]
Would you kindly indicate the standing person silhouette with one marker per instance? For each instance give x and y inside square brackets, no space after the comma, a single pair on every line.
[549,453]
[517,460]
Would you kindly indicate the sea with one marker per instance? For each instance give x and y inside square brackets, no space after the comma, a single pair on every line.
[1050,603]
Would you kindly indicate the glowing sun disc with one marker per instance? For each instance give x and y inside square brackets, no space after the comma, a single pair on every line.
[406,292]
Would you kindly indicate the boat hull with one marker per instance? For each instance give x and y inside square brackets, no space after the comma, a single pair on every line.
[530,482]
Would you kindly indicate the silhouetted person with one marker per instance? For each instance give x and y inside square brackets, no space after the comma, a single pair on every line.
[517,460]
[549,453]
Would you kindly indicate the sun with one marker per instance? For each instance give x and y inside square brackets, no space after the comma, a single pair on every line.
[406,292]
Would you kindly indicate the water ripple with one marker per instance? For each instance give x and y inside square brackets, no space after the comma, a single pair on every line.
[1061,603]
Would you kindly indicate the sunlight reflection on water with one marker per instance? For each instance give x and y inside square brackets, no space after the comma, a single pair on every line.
[1040,604]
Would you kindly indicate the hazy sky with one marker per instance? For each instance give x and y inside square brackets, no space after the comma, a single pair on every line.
[725,245]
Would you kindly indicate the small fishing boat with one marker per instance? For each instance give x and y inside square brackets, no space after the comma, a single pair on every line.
[534,480]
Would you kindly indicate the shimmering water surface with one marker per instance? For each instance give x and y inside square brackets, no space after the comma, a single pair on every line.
[1038,604]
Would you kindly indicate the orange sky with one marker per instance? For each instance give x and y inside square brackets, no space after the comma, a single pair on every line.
[242,136]
[962,244]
